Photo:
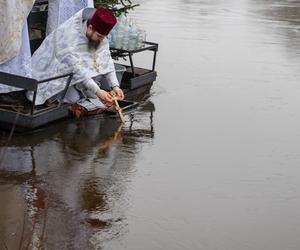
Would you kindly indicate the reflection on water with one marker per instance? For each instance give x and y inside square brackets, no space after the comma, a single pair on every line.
[65,186]
[282,19]
[216,166]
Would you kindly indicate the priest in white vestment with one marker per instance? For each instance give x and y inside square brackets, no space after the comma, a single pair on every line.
[79,46]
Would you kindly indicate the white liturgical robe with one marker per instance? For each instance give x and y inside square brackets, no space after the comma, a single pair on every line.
[20,64]
[15,52]
[66,50]
[61,10]
[13,14]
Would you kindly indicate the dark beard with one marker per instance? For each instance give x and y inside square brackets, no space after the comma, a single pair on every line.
[92,45]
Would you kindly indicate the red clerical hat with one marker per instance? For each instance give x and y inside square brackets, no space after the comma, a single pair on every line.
[103,21]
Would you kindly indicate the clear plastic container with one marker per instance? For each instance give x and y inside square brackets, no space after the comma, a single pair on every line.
[127,35]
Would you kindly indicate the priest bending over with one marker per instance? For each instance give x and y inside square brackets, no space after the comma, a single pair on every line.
[79,45]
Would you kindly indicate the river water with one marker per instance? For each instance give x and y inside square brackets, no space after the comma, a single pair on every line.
[210,161]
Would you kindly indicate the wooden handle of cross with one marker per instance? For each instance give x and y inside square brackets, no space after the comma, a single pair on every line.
[117,106]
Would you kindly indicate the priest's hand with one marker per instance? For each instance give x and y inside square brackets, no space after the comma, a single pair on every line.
[118,92]
[104,96]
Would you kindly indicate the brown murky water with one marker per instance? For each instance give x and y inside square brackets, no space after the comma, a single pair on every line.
[210,161]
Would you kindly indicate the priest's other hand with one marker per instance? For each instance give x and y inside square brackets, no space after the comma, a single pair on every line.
[118,92]
[104,96]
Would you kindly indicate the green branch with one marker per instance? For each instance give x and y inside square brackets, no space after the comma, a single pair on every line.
[119,7]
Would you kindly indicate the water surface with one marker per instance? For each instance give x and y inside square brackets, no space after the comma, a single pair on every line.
[210,161]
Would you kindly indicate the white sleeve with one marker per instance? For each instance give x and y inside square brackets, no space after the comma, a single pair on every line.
[112,79]
[91,85]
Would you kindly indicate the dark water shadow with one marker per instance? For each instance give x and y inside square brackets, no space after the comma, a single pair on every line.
[69,182]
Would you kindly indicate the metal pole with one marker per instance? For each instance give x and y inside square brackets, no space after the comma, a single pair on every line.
[131,63]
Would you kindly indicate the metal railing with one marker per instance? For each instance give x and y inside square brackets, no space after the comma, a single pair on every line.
[31,84]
